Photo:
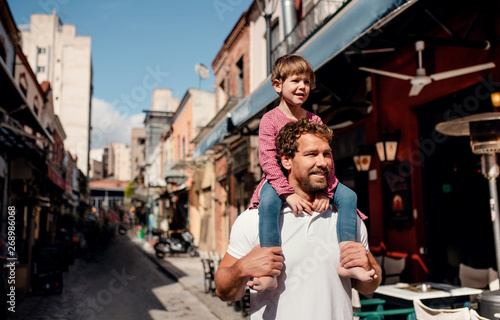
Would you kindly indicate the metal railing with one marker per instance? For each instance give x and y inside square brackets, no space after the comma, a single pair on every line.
[317,17]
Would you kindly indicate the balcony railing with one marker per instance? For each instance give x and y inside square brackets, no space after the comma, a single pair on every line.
[317,17]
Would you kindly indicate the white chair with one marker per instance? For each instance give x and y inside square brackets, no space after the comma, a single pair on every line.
[493,279]
[393,267]
[424,312]
[472,277]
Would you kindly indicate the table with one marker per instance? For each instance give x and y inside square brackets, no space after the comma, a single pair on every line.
[402,295]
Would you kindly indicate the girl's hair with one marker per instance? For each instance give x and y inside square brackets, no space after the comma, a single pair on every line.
[292,64]
[287,140]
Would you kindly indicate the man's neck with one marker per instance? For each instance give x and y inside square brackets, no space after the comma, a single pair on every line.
[298,191]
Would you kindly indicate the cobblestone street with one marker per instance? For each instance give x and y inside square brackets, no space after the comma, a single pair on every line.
[119,283]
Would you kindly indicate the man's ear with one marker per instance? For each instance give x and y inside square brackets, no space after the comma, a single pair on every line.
[277,85]
[286,162]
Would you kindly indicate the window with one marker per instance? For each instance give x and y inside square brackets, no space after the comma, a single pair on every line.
[183,148]
[41,50]
[221,95]
[275,35]
[239,79]
[3,54]
[178,148]
[40,69]
[23,83]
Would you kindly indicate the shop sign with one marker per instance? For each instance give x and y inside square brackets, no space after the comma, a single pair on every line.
[56,177]
[398,205]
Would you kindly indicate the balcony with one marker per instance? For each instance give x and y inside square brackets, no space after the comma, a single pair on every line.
[175,171]
[317,17]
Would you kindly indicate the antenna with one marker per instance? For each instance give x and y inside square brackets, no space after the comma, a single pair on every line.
[202,72]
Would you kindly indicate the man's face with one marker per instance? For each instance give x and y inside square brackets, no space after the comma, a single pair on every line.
[310,167]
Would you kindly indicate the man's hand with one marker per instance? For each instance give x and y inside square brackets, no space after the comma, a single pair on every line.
[233,274]
[353,254]
[321,202]
[262,262]
[299,204]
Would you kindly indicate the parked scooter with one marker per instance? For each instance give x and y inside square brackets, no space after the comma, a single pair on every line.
[179,242]
[122,228]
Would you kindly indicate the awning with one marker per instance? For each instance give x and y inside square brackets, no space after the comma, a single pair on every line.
[14,103]
[351,23]
[56,177]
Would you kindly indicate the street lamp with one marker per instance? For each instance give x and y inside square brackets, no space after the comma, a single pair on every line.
[387,148]
[363,159]
[266,9]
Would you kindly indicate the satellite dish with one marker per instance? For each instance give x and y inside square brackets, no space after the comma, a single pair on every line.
[202,70]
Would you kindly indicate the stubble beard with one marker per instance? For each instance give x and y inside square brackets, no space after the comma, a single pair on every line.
[312,187]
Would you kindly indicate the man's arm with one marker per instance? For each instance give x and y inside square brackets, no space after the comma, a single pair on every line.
[353,254]
[233,274]
[369,287]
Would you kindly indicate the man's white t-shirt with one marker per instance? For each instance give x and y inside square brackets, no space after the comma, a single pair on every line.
[309,286]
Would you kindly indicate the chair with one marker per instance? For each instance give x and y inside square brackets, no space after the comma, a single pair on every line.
[208,272]
[424,312]
[474,278]
[393,264]
[493,279]
[379,312]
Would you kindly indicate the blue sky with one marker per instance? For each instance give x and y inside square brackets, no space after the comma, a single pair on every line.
[130,39]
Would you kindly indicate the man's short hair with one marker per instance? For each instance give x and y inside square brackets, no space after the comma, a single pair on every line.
[287,140]
[292,64]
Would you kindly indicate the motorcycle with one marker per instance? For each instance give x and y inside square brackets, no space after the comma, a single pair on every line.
[180,242]
[122,228]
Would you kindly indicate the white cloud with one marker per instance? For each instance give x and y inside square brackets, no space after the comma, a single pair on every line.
[109,125]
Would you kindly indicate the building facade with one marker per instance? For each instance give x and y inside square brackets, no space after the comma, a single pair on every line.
[116,160]
[413,202]
[183,195]
[137,150]
[58,55]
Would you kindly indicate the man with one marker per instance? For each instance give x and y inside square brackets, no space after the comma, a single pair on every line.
[309,286]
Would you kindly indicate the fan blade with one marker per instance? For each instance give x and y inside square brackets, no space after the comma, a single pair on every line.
[387,73]
[462,71]
[415,89]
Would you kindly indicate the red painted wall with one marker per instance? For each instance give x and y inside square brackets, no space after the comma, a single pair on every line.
[394,109]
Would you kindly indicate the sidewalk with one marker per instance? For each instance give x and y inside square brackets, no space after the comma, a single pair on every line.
[189,274]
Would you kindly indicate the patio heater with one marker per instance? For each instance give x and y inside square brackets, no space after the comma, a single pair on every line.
[484,132]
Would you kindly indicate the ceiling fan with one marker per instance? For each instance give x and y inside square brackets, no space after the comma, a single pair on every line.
[421,79]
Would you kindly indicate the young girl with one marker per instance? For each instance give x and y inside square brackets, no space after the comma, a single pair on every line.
[293,78]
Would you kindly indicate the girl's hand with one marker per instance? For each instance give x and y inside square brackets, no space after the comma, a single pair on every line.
[321,202]
[299,204]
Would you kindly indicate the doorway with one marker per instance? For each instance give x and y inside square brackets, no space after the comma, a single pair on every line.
[455,193]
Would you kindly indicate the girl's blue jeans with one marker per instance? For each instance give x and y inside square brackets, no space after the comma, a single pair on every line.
[270,207]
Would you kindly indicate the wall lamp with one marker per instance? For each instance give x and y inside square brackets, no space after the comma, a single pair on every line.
[363,159]
[387,148]
[495,99]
